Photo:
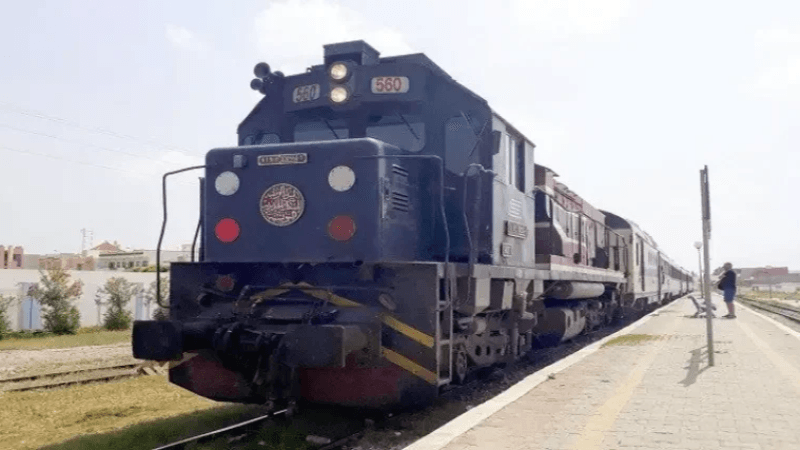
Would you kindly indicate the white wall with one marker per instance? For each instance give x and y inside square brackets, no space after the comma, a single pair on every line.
[14,282]
[777,287]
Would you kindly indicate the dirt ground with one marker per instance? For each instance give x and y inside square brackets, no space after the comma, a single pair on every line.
[15,363]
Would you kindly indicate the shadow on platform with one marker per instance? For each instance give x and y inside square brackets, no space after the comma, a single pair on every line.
[698,358]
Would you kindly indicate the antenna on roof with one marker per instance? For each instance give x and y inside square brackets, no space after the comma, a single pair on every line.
[87,239]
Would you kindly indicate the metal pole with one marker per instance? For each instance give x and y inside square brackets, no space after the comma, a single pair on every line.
[769,280]
[700,274]
[706,285]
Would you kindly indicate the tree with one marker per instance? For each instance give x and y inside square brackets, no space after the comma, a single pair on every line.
[152,268]
[57,297]
[5,325]
[150,297]
[117,293]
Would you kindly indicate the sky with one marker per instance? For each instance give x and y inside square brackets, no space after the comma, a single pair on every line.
[625,100]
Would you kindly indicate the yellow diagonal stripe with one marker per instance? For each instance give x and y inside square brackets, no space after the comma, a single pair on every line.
[387,319]
[409,331]
[269,293]
[329,296]
[409,365]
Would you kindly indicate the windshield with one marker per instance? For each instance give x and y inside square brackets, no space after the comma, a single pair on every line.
[404,131]
[321,130]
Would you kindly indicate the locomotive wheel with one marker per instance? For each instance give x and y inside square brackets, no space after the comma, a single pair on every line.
[460,365]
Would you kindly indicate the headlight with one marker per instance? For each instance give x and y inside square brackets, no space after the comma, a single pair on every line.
[227,183]
[341,178]
[338,71]
[339,94]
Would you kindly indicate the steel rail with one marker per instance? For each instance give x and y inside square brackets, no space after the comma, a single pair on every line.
[12,384]
[786,312]
[241,427]
[67,372]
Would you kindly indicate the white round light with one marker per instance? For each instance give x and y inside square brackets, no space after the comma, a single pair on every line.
[227,183]
[341,178]
[339,94]
[338,71]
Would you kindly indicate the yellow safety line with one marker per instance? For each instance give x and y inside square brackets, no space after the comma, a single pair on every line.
[409,365]
[603,419]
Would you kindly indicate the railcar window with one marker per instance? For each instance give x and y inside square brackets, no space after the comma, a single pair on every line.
[511,160]
[520,166]
[404,131]
[261,139]
[321,130]
[268,138]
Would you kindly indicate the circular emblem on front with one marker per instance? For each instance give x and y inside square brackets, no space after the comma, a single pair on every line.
[282,204]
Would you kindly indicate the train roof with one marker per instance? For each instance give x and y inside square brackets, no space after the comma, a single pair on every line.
[546,169]
[365,54]
[615,221]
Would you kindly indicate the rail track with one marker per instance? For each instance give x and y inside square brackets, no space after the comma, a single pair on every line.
[235,431]
[75,377]
[783,311]
[476,390]
[242,430]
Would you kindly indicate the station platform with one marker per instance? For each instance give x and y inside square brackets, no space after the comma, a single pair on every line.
[649,386]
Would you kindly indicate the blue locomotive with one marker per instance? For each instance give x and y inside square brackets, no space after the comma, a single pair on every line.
[380,232]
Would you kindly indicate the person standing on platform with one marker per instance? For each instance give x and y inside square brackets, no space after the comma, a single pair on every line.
[728,287]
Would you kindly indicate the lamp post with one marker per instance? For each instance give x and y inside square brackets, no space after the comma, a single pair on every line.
[768,279]
[698,246]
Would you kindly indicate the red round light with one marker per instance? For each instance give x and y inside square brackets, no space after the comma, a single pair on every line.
[341,228]
[225,283]
[227,230]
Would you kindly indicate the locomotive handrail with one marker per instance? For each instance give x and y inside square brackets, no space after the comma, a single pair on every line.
[471,257]
[164,227]
[199,222]
[441,209]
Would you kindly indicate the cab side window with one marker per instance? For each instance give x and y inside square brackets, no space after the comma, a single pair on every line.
[459,142]
[513,150]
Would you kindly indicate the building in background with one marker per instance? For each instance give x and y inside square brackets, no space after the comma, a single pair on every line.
[777,279]
[12,257]
[760,273]
[139,259]
[69,261]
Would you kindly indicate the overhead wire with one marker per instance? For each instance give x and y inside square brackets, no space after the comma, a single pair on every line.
[84,144]
[30,113]
[85,163]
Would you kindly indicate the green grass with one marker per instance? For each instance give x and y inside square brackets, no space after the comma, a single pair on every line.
[85,336]
[151,434]
[139,413]
[632,339]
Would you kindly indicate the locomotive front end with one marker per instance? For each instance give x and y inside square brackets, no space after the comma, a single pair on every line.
[289,225]
[325,240]
[318,202]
